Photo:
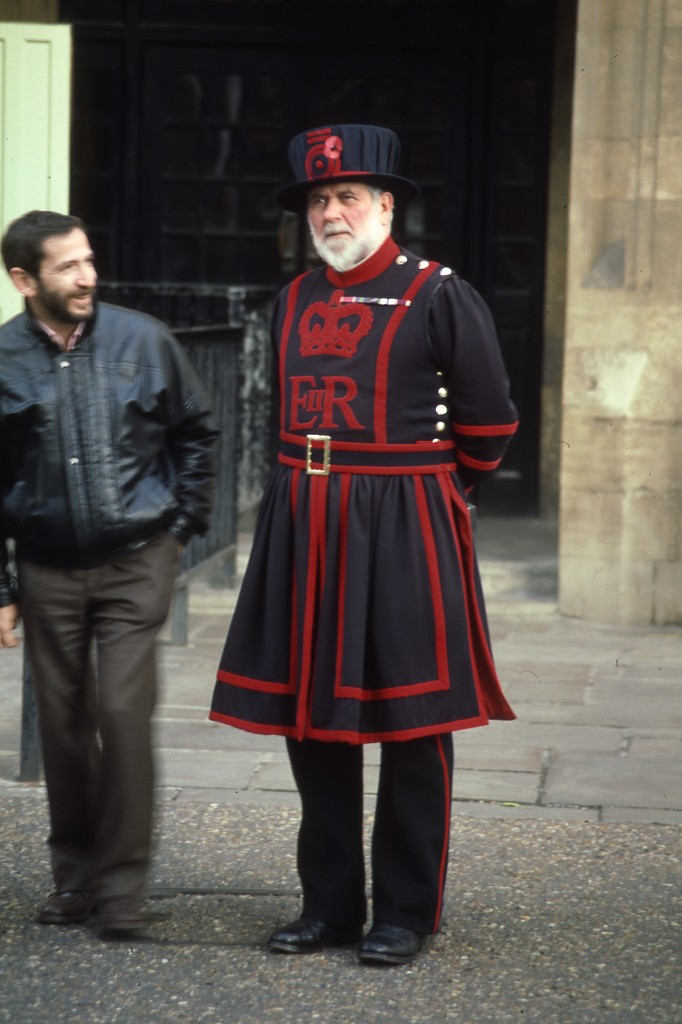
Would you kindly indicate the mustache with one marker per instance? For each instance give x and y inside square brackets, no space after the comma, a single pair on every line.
[338,230]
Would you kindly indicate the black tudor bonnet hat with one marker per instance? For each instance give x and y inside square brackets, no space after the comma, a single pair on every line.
[359,152]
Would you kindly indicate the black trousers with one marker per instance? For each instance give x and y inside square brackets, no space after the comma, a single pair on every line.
[90,635]
[410,837]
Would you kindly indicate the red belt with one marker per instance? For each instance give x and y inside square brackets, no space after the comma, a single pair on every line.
[320,455]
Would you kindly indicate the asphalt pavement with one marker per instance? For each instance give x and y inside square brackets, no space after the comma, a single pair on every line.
[563,899]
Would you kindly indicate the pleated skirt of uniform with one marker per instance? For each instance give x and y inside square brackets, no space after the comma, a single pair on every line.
[360,617]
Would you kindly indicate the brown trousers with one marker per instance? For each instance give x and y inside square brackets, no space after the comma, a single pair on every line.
[90,636]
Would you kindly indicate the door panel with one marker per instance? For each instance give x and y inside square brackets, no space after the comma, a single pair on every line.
[35,92]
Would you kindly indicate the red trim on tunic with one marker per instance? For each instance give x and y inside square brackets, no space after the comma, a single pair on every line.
[440,638]
[247,726]
[316,545]
[390,693]
[467,460]
[343,575]
[379,456]
[490,704]
[346,736]
[442,682]
[493,430]
[261,685]
[372,446]
[384,354]
[349,736]
[441,467]
[320,486]
[455,504]
[493,704]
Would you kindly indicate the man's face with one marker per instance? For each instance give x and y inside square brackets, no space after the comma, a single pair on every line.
[348,222]
[63,292]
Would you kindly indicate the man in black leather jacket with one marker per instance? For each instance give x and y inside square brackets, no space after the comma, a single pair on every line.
[106,471]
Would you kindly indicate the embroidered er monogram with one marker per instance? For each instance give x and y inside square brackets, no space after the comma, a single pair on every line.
[333,329]
[323,404]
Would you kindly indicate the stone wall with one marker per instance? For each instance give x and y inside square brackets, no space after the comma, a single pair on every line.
[621,465]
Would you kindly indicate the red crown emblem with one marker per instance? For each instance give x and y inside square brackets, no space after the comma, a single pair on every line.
[330,329]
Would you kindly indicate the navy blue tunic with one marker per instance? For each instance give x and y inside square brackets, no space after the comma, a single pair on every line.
[360,617]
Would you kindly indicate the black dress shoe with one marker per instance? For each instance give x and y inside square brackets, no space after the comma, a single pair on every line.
[390,944]
[306,935]
[66,907]
[120,914]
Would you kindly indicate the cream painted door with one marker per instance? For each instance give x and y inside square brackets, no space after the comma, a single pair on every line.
[35,119]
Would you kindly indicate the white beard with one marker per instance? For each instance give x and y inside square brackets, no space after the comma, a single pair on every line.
[344,252]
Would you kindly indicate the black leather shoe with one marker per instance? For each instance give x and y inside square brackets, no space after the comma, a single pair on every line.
[120,914]
[66,908]
[306,935]
[390,944]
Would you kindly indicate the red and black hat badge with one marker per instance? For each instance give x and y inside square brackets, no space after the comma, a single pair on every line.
[360,152]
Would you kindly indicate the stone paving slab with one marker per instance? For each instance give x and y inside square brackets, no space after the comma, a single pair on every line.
[510,810]
[195,732]
[548,712]
[547,683]
[217,770]
[663,746]
[546,735]
[629,781]
[274,776]
[642,703]
[481,754]
[493,787]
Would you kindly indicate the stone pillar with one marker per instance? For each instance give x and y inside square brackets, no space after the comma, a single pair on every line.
[620,553]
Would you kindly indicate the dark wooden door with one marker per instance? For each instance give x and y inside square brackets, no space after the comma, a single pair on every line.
[184,130]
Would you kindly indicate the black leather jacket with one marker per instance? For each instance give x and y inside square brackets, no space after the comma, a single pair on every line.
[101,447]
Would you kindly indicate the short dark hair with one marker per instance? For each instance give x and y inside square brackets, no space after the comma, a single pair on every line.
[22,243]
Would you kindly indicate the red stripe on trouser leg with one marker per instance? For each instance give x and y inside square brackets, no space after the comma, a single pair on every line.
[412,831]
[447,766]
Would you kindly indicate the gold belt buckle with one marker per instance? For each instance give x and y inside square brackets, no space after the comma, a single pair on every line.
[326,454]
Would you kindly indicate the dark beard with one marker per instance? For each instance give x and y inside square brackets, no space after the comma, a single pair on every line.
[58,308]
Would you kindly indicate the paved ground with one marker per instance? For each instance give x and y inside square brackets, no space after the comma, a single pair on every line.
[564,893]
